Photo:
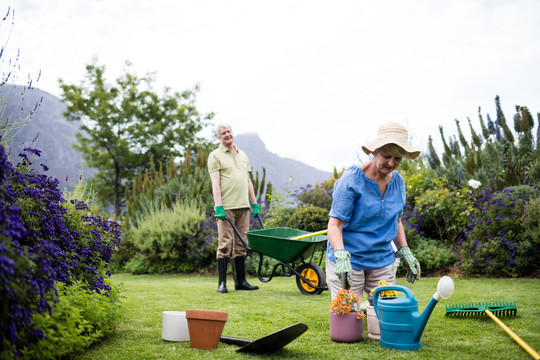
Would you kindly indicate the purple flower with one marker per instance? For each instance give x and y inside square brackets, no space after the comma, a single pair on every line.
[40,244]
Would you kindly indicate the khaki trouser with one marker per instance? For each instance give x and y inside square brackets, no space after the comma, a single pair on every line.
[226,234]
[363,280]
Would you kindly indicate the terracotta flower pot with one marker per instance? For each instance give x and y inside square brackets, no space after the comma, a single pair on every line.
[205,328]
[374,331]
[346,328]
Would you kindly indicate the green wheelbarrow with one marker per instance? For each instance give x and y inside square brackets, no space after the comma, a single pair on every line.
[294,249]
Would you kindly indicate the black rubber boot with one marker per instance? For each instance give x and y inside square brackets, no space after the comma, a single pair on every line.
[222,273]
[240,278]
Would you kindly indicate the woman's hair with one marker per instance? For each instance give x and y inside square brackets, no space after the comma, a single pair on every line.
[221,126]
[392,149]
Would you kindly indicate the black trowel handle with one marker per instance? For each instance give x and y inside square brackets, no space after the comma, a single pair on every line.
[346,284]
[234,341]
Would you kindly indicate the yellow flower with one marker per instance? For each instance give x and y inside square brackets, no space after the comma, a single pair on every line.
[387,293]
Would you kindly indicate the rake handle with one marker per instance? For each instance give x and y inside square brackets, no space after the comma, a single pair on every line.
[513,335]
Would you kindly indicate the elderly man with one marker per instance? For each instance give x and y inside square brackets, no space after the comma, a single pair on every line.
[233,196]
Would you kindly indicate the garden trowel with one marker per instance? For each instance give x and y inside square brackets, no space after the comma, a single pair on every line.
[270,343]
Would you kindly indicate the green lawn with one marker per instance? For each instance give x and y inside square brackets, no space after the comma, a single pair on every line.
[279,303]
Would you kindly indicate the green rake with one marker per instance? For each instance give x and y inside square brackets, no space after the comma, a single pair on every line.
[477,309]
[491,309]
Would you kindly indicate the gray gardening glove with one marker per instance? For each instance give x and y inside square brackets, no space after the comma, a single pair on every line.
[343,267]
[413,272]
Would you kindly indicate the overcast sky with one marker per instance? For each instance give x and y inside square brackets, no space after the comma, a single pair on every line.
[313,78]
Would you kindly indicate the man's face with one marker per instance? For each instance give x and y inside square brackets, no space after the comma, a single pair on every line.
[226,136]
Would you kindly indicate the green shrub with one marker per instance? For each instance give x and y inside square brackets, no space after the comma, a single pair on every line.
[418,178]
[317,195]
[441,213]
[433,255]
[531,220]
[309,218]
[502,239]
[180,239]
[138,265]
[278,217]
[79,318]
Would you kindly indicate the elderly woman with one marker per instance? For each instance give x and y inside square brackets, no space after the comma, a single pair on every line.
[365,218]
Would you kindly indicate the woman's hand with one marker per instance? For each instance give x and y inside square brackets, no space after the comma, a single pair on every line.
[410,261]
[343,267]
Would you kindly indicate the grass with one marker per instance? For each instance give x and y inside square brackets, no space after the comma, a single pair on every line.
[279,303]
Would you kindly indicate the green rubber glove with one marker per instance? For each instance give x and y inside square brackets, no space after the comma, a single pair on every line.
[343,266]
[410,261]
[255,209]
[220,212]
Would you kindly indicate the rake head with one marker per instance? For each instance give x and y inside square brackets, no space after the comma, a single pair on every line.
[498,308]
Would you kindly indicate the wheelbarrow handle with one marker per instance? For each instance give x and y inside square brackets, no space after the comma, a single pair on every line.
[259,217]
[237,233]
[305,236]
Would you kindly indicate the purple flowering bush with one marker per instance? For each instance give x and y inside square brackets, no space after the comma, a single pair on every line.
[502,237]
[44,241]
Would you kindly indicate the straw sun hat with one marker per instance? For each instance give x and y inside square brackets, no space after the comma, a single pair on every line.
[392,133]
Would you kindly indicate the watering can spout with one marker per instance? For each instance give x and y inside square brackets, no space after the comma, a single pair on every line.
[422,319]
[445,288]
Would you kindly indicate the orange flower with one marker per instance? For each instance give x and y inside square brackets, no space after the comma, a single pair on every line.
[344,302]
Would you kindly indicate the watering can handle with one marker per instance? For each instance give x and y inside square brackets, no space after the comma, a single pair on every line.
[399,288]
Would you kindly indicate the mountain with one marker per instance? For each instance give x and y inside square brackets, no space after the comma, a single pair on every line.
[279,171]
[53,135]
[47,131]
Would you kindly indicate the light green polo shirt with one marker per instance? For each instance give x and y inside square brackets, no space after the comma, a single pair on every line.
[234,175]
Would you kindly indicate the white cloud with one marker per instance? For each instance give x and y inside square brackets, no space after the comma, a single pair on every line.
[312,78]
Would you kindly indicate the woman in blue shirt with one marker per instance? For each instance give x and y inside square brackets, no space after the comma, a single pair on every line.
[365,218]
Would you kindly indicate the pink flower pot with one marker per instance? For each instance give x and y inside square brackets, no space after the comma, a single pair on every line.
[346,328]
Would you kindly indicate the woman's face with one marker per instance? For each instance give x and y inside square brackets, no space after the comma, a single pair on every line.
[386,162]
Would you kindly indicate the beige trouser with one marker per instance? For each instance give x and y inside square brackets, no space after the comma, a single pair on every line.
[363,280]
[226,234]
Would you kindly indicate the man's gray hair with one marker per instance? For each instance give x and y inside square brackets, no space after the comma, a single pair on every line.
[221,126]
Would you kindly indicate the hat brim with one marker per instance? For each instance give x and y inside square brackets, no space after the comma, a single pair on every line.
[412,152]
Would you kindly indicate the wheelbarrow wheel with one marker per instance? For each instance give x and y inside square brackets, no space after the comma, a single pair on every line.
[315,274]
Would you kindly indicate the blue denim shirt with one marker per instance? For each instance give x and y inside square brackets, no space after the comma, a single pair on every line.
[371,220]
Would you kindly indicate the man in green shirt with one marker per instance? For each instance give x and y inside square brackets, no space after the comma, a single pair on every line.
[233,196]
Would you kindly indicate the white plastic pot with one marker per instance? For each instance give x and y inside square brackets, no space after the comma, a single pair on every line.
[174,326]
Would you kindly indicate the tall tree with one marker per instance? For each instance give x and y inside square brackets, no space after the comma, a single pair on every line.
[462,139]
[485,131]
[126,123]
[476,139]
[432,157]
[501,121]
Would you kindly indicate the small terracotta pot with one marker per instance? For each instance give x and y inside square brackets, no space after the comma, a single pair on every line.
[374,331]
[205,328]
[346,328]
